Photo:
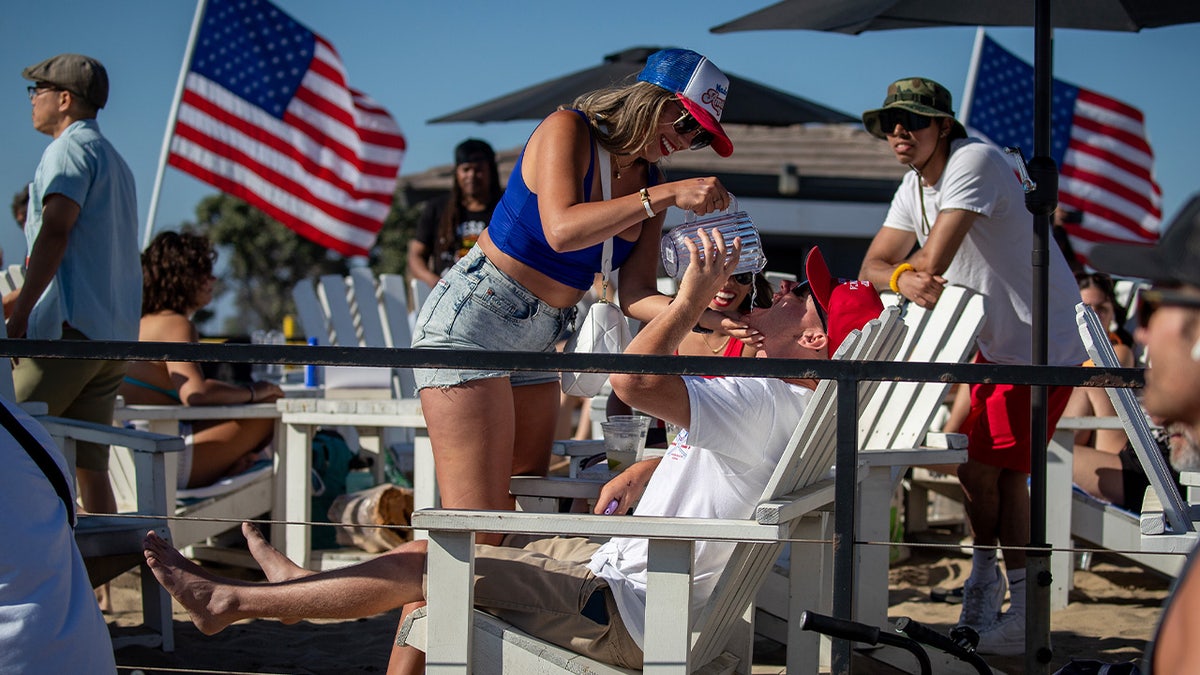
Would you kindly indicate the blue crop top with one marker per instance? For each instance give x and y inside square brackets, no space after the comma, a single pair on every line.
[516,229]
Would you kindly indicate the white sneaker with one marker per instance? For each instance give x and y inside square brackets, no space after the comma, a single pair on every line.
[1005,637]
[982,600]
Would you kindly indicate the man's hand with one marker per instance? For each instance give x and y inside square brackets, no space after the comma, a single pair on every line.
[709,266]
[627,487]
[922,288]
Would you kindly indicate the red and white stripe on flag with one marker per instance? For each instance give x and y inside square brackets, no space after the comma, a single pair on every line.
[1099,143]
[266,115]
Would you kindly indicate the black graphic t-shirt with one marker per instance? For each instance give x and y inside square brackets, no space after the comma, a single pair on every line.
[466,233]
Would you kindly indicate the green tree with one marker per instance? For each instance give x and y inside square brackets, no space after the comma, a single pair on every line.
[264,259]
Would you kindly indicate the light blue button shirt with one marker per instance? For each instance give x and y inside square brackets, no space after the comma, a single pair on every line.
[98,287]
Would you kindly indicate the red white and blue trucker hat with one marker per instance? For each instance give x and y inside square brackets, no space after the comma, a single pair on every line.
[700,86]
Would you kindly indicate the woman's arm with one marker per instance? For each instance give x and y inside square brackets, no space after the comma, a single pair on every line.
[555,162]
[194,388]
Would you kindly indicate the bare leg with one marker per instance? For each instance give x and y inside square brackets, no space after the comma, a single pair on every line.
[474,459]
[981,489]
[95,491]
[1099,473]
[274,564]
[1013,525]
[406,660]
[219,448]
[383,583]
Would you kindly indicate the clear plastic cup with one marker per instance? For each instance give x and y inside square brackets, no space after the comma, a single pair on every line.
[732,224]
[623,439]
[643,423]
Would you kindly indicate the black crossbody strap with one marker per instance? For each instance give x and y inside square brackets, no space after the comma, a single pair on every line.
[39,455]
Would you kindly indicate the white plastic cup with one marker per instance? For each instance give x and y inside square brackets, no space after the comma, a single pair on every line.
[731,223]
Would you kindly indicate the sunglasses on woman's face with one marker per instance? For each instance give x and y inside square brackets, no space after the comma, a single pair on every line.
[1150,301]
[744,279]
[889,118]
[686,124]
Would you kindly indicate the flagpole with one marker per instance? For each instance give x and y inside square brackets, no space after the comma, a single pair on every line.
[172,116]
[964,111]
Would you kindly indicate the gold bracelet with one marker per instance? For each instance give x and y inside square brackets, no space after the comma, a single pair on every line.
[900,269]
[646,202]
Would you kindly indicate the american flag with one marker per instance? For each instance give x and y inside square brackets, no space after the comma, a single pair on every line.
[266,116]
[1099,144]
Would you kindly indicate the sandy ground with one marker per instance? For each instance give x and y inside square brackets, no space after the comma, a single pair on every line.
[1111,616]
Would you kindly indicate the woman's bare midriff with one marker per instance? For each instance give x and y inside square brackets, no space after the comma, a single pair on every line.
[546,289]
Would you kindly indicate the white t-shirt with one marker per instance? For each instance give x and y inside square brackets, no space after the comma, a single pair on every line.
[49,619]
[995,257]
[718,468]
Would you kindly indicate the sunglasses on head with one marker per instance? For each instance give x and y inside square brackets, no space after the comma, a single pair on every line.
[1150,301]
[911,121]
[686,124]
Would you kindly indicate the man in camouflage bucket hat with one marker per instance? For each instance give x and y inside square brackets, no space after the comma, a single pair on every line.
[916,95]
[963,205]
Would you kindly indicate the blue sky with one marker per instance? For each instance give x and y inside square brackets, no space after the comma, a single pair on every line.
[425,59]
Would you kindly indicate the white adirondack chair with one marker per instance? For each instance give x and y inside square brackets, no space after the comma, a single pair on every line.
[351,311]
[111,544]
[893,434]
[205,512]
[1166,529]
[460,640]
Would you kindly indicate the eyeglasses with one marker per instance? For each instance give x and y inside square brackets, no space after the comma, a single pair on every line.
[34,90]
[911,121]
[686,124]
[1150,301]
[744,279]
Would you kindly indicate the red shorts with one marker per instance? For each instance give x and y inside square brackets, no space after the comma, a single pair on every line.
[997,427]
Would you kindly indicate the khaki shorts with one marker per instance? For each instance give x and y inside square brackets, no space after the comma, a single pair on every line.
[78,389]
[545,588]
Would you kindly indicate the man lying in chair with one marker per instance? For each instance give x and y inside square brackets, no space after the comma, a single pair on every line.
[571,592]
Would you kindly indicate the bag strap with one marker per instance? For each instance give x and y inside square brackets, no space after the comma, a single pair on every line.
[606,254]
[41,457]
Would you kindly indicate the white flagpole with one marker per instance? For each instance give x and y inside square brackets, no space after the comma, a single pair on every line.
[172,116]
[964,112]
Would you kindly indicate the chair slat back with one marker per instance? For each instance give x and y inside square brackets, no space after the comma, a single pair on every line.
[420,291]
[312,316]
[1133,418]
[809,457]
[334,294]
[365,307]
[899,414]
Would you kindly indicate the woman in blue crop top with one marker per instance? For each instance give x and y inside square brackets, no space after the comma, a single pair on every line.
[517,289]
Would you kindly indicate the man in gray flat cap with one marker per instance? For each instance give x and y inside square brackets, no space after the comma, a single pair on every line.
[83,279]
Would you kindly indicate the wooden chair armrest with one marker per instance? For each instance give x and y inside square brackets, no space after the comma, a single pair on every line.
[573,524]
[554,487]
[138,441]
[577,448]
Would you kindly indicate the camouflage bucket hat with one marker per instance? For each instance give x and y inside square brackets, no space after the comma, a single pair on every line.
[917,95]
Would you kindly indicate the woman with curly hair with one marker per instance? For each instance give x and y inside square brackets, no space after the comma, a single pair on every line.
[177,280]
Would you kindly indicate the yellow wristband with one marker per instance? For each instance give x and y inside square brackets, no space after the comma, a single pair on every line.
[646,202]
[900,269]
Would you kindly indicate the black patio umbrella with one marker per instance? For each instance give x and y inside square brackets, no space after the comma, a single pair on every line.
[856,16]
[751,103]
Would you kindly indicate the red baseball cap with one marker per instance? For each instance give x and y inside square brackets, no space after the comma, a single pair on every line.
[848,304]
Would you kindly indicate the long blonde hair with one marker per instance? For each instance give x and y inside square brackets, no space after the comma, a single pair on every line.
[624,118]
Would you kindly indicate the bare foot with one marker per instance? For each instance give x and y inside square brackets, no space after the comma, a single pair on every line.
[206,599]
[274,564]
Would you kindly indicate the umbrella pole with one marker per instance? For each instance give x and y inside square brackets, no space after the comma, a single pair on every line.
[1041,202]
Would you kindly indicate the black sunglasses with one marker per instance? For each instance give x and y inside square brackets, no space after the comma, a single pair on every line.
[744,279]
[686,124]
[1151,300]
[911,121]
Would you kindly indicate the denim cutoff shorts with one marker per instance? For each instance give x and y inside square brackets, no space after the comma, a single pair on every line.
[477,307]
